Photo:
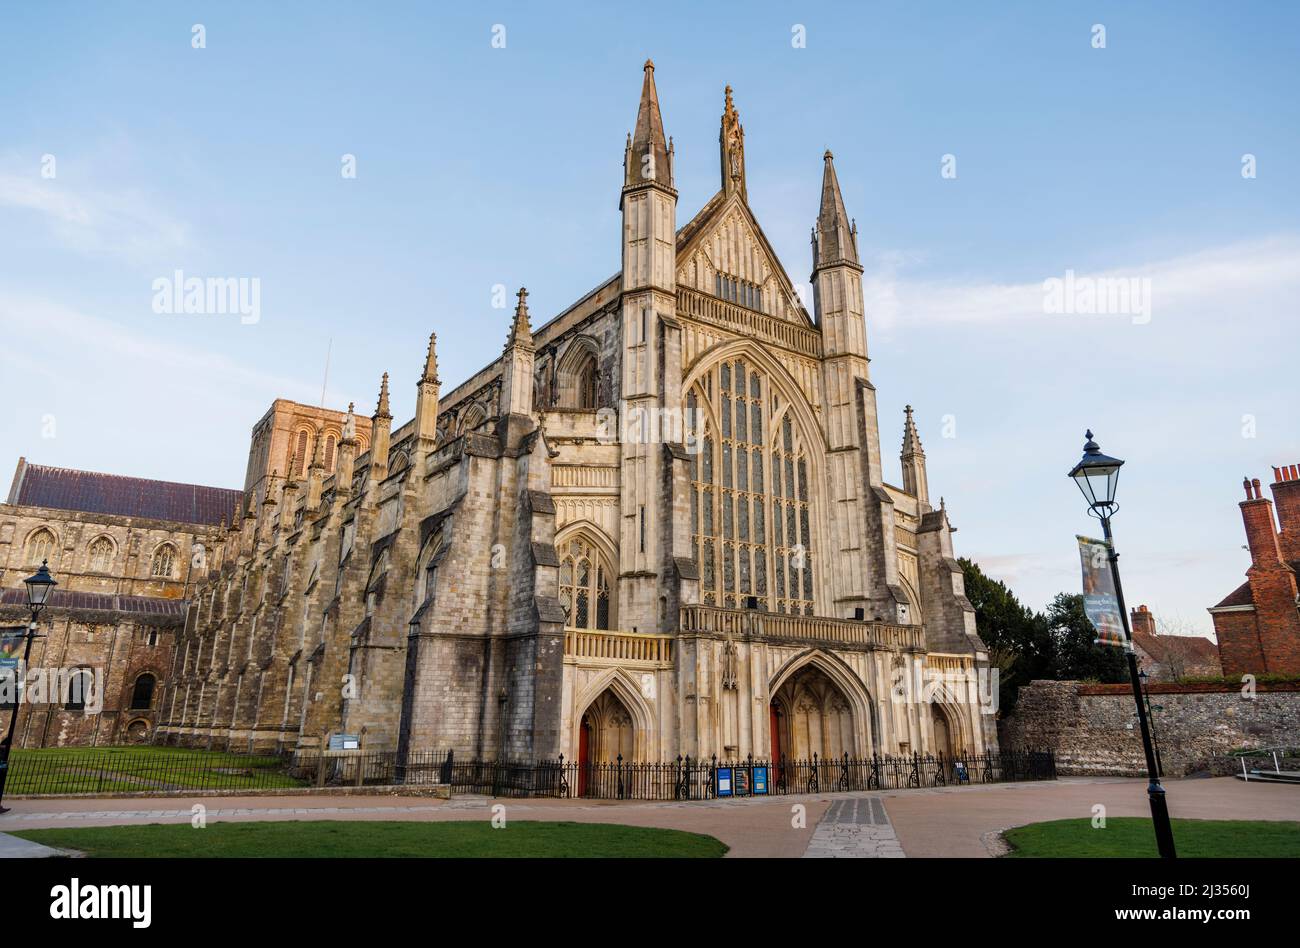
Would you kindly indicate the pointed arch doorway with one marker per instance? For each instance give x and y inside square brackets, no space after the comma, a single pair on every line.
[809,714]
[605,733]
[943,732]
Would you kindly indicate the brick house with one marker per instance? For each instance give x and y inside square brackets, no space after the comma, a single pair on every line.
[1167,657]
[1258,623]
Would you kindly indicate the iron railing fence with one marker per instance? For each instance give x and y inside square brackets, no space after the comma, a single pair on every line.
[699,779]
[129,769]
[135,770]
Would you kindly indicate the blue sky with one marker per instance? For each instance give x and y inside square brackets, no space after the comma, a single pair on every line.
[479,166]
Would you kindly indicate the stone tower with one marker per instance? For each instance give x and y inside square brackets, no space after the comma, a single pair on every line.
[648,299]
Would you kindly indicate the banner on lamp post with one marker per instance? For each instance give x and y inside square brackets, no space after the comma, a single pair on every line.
[11,654]
[1099,599]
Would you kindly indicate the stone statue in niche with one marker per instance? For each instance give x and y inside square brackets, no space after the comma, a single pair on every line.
[729,665]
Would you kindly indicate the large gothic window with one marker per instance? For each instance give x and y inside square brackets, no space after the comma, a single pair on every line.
[587,383]
[164,562]
[750,494]
[101,554]
[584,585]
[40,547]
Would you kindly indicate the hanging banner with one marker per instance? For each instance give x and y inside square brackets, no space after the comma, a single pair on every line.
[11,654]
[1099,599]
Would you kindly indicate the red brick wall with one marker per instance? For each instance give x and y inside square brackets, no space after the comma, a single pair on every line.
[1239,649]
[1274,647]
[1286,494]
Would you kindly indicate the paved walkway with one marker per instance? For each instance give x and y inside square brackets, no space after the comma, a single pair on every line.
[856,827]
[950,821]
[943,821]
[11,847]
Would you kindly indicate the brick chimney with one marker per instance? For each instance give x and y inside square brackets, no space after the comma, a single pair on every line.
[1272,583]
[1286,495]
[1261,532]
[1144,621]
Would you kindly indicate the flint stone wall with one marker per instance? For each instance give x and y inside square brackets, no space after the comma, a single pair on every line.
[1094,729]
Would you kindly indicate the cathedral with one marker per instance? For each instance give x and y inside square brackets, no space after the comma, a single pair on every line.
[656,525]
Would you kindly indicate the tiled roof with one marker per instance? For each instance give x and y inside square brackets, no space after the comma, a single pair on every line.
[1195,649]
[1241,596]
[1238,597]
[107,602]
[88,491]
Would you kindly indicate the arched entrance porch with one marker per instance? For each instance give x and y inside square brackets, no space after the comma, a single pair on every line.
[607,730]
[811,714]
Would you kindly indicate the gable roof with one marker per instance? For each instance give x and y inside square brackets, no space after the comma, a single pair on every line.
[696,229]
[91,492]
[1195,649]
[1242,596]
[1238,597]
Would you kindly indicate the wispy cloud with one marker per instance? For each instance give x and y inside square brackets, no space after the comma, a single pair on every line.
[75,338]
[127,224]
[1218,277]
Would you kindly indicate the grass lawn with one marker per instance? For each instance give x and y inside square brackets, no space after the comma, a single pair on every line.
[1133,836]
[336,838]
[140,767]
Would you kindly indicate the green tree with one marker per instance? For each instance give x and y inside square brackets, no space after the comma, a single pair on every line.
[1020,643]
[1078,658]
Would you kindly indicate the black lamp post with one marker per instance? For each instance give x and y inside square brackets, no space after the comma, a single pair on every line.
[39,587]
[1096,474]
[1151,716]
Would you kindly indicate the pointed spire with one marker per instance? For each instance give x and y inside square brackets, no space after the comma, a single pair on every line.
[911,440]
[648,158]
[350,425]
[835,238]
[731,148]
[426,397]
[381,410]
[912,457]
[521,333]
[517,364]
[293,466]
[431,361]
[318,454]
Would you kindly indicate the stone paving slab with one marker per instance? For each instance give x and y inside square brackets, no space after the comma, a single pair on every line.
[855,828]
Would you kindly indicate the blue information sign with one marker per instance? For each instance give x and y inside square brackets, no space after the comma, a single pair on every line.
[724,781]
[760,780]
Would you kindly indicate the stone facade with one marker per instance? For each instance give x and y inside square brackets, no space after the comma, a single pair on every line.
[657,525]
[1258,624]
[124,577]
[1094,729]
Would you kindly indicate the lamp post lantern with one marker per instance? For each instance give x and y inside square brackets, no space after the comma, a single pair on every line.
[39,587]
[1097,476]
